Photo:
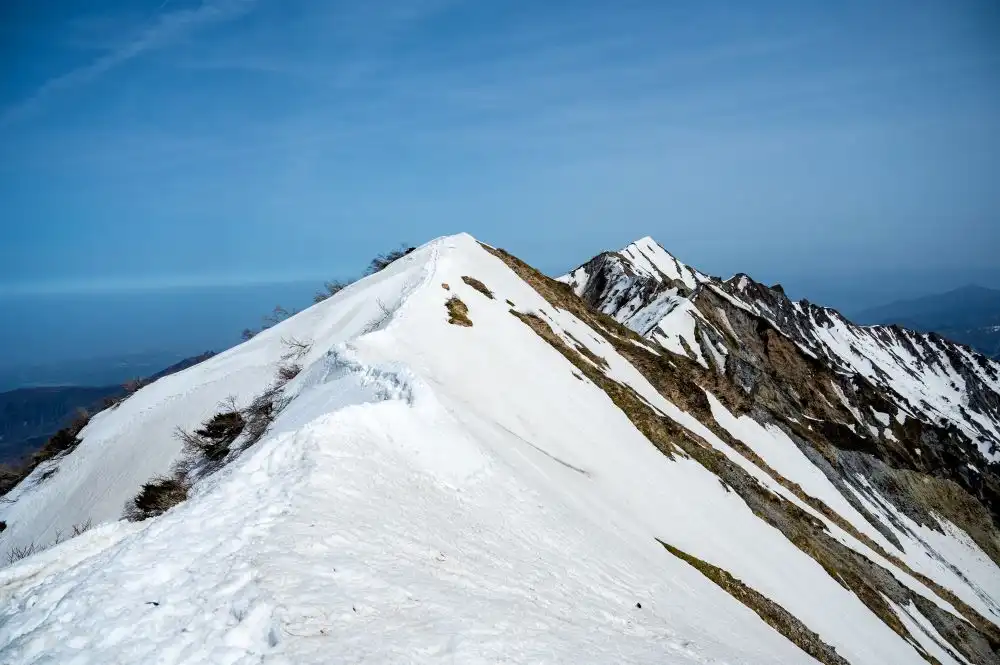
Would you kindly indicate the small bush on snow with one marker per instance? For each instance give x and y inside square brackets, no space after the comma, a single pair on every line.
[218,441]
[288,372]
[15,554]
[156,497]
[261,412]
[458,312]
[215,436]
[330,289]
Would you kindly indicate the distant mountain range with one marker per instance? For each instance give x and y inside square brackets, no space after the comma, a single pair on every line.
[29,416]
[969,315]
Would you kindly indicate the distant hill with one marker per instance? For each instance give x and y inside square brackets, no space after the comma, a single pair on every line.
[29,416]
[970,315]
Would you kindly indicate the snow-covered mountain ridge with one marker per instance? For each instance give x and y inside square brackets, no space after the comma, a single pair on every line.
[543,485]
[925,375]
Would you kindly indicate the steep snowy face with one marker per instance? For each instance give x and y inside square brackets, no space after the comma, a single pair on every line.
[472,465]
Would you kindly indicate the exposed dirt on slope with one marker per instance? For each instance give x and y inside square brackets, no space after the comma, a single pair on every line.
[458,312]
[772,613]
[478,286]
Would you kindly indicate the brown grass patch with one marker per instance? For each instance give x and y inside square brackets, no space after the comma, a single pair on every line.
[458,312]
[478,286]
[771,612]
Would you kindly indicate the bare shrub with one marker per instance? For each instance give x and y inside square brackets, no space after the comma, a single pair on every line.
[261,412]
[295,348]
[288,372]
[215,436]
[383,316]
[277,315]
[156,497]
[218,441]
[82,527]
[229,432]
[331,288]
[382,261]
[112,402]
[15,554]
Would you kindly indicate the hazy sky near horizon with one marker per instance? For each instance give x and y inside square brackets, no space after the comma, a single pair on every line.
[179,143]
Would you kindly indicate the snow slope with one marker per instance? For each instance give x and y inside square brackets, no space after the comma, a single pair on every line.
[877,381]
[433,493]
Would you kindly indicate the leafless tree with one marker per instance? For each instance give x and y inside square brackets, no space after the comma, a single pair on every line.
[277,315]
[15,554]
[382,261]
[295,348]
[330,288]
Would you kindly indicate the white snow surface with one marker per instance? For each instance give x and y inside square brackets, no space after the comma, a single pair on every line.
[433,493]
[648,257]
[932,553]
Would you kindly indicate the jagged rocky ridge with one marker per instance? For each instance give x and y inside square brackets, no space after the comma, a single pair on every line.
[912,415]
[878,377]
[473,464]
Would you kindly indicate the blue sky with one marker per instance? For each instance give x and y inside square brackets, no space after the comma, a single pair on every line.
[176,143]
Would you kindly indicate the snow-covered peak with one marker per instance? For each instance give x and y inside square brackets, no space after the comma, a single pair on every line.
[740,281]
[643,260]
[649,258]
[924,375]
[474,466]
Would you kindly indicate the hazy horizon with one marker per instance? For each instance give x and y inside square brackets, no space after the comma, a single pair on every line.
[846,150]
[98,337]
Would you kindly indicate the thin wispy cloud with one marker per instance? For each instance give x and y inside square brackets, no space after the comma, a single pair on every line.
[164,29]
[318,124]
